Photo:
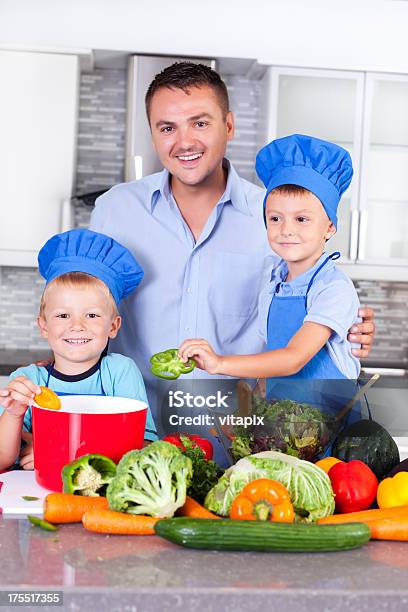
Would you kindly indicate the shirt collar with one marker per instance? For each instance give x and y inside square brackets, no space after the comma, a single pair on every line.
[160,185]
[234,193]
[280,272]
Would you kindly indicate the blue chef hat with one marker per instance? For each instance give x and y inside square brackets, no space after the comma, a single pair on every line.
[81,250]
[322,167]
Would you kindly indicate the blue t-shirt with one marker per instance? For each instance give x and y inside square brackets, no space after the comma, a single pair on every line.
[332,301]
[118,375]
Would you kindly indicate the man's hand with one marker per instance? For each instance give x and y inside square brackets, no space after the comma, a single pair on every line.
[363,333]
[26,456]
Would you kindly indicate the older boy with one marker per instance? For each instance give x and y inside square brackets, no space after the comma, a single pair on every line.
[308,305]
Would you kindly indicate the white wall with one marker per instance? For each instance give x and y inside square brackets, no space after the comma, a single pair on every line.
[357,35]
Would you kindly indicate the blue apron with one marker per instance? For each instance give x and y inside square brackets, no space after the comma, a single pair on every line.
[61,393]
[320,382]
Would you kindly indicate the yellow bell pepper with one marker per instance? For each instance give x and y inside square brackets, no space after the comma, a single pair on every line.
[393,491]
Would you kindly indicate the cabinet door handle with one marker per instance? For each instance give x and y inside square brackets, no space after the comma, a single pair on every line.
[138,166]
[354,225]
[66,220]
[362,235]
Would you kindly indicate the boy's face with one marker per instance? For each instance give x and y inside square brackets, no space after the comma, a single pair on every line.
[189,132]
[297,226]
[77,322]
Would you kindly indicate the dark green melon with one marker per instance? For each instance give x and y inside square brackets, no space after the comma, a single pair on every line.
[367,441]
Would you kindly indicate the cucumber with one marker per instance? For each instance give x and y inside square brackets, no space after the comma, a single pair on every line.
[227,534]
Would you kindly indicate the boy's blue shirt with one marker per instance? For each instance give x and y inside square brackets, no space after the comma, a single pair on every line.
[332,301]
[119,376]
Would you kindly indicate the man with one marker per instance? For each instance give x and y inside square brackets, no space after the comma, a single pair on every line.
[196,228]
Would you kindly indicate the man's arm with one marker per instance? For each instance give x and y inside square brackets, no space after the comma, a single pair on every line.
[363,333]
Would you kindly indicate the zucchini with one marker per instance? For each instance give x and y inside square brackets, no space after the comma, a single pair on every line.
[227,534]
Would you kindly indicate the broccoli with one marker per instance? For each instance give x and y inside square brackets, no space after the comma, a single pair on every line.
[151,481]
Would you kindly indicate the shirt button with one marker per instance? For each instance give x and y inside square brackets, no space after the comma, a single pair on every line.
[189,290]
[186,329]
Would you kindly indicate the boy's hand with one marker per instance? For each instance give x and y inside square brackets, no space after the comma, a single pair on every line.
[26,456]
[18,394]
[203,354]
[363,333]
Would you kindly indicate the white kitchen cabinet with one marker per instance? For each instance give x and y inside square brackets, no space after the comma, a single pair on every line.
[366,113]
[384,187]
[38,126]
[326,104]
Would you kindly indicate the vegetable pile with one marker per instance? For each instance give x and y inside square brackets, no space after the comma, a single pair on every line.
[268,501]
[292,428]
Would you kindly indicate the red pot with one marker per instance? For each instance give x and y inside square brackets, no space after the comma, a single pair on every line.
[106,425]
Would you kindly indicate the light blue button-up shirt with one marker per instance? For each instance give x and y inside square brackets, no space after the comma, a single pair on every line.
[207,288]
[332,301]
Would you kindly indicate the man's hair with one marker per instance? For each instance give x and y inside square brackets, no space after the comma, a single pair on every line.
[77,279]
[184,75]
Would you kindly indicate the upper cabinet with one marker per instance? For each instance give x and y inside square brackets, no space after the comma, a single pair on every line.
[383,232]
[366,114]
[38,127]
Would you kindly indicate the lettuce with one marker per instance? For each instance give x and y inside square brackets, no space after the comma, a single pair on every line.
[308,485]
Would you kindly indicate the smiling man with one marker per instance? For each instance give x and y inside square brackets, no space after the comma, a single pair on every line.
[196,228]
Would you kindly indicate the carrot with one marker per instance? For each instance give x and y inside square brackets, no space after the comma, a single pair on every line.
[365,515]
[68,508]
[108,521]
[195,510]
[389,528]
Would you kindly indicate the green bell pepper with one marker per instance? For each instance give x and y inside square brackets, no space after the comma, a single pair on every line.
[88,475]
[168,365]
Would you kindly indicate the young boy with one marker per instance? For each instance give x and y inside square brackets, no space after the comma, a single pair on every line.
[309,304]
[87,274]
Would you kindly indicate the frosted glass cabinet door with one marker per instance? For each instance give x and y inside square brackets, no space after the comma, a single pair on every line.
[38,125]
[326,104]
[384,187]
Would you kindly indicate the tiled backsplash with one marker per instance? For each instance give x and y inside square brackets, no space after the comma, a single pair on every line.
[100,162]
[389,301]
[101,130]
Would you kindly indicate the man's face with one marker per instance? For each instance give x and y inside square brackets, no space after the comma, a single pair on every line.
[189,132]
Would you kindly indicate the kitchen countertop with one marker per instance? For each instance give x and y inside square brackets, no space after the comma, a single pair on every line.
[142,574]
[11,359]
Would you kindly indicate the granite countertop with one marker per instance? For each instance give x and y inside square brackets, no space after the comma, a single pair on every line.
[143,574]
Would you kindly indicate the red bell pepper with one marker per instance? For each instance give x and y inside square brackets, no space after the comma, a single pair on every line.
[354,485]
[202,443]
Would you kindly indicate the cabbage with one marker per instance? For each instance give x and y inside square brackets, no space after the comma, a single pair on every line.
[308,485]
